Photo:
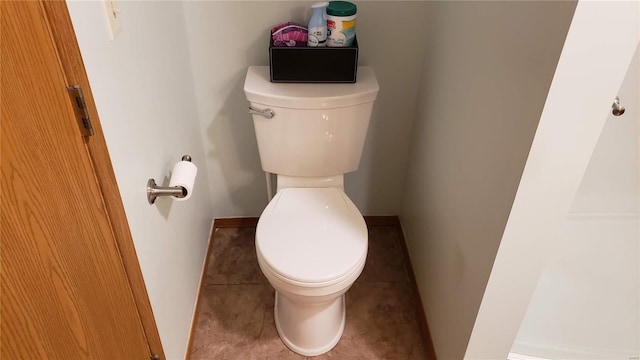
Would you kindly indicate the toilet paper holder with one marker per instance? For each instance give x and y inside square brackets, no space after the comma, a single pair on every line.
[154,191]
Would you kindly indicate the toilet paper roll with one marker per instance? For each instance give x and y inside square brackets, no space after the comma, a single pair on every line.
[184,174]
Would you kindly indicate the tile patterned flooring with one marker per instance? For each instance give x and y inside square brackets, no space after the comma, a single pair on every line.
[235,314]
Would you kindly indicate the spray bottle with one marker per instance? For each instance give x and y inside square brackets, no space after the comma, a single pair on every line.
[318,25]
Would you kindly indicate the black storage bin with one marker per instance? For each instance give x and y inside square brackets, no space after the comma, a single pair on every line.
[313,64]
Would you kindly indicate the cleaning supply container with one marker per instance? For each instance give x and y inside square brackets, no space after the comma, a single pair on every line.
[341,23]
[318,25]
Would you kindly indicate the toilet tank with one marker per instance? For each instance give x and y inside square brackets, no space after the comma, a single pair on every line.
[316,129]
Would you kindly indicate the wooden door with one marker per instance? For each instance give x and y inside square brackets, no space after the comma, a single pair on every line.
[64,293]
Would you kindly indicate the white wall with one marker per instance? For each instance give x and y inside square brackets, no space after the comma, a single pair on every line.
[144,94]
[225,37]
[586,302]
[486,75]
[610,182]
[590,71]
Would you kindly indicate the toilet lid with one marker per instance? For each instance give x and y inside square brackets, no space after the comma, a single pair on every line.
[311,235]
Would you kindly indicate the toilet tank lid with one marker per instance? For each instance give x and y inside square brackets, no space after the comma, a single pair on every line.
[311,235]
[259,89]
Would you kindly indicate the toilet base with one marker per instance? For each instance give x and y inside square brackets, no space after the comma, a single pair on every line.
[309,329]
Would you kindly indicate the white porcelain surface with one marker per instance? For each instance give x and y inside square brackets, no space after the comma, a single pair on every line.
[310,317]
[319,332]
[311,245]
[317,130]
[284,181]
[311,235]
[323,142]
[310,292]
[311,240]
[259,89]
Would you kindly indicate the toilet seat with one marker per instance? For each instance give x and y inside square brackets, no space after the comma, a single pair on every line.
[312,236]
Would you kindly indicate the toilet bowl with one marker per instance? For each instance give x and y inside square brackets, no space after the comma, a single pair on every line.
[311,240]
[311,245]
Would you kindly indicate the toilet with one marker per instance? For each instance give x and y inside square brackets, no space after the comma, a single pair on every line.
[311,240]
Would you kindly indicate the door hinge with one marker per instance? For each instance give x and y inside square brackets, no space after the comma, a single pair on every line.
[80,109]
[154,357]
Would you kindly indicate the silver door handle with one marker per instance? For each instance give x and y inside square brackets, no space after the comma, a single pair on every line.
[268,113]
[617,109]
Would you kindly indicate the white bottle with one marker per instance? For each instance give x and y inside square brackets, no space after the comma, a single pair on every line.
[318,25]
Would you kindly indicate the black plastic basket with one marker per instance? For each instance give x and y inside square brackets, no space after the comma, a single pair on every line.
[313,64]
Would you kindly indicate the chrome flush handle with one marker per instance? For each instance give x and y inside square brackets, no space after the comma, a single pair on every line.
[268,113]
